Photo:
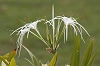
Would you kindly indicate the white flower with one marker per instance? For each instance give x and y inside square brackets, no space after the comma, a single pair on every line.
[72,22]
[76,26]
[25,29]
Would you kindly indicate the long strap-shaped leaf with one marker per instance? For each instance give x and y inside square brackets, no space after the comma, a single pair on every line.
[76,53]
[11,55]
[12,62]
[53,60]
[2,59]
[87,54]
[91,60]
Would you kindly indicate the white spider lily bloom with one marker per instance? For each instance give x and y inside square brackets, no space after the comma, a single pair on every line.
[25,29]
[76,26]
[72,22]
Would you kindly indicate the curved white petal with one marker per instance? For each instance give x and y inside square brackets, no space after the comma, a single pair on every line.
[72,22]
[23,30]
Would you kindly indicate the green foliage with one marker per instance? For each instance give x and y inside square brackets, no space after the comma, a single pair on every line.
[36,62]
[12,62]
[75,58]
[87,54]
[87,59]
[92,58]
[52,42]
[10,11]
[54,60]
[8,59]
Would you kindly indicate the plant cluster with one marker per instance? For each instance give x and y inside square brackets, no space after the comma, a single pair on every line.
[52,41]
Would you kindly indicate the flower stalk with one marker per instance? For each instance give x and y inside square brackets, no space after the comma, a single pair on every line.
[53,26]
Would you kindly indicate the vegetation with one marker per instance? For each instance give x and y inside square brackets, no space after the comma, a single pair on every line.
[12,11]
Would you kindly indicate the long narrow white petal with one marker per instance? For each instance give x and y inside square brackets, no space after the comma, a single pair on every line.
[83,28]
[15,30]
[75,31]
[23,30]
[72,22]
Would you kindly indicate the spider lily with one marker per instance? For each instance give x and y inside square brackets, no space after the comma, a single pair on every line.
[72,22]
[26,29]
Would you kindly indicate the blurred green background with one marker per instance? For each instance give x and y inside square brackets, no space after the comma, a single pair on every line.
[31,10]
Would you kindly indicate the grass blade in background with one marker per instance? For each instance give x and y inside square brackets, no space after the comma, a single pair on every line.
[53,60]
[87,54]
[76,53]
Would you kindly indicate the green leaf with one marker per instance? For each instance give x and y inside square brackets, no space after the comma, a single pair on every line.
[2,59]
[91,60]
[12,62]
[75,58]
[53,60]
[0,62]
[47,32]
[7,58]
[11,55]
[87,54]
